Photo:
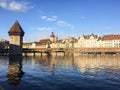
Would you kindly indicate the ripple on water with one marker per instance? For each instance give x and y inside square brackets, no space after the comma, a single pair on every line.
[66,73]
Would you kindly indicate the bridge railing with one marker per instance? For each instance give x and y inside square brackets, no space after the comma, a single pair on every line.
[77,49]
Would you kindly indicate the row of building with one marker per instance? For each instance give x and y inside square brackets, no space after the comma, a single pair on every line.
[84,41]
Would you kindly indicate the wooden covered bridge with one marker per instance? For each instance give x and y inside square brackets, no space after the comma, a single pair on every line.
[33,51]
[64,51]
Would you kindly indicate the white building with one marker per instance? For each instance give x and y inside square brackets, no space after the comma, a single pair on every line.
[84,41]
[111,41]
[87,41]
[69,42]
[100,43]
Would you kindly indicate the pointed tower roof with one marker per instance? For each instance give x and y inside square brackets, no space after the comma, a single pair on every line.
[16,30]
[52,35]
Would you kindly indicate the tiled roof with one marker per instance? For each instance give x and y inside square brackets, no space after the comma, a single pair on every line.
[75,40]
[16,29]
[88,36]
[44,41]
[111,37]
[99,38]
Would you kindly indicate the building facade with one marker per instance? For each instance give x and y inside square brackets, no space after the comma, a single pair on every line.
[87,41]
[84,41]
[111,40]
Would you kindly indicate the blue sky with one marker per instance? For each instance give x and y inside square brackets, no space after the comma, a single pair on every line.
[39,18]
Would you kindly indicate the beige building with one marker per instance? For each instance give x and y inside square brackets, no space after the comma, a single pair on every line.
[87,41]
[81,42]
[100,43]
[84,41]
[69,42]
[111,40]
[44,43]
[58,44]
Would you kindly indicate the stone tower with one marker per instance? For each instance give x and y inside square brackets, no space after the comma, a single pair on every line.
[52,37]
[16,34]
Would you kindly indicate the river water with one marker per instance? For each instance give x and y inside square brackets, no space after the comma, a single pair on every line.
[70,72]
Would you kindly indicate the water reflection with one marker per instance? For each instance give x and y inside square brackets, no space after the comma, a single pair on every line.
[49,62]
[83,63]
[15,72]
[70,72]
[108,63]
[52,69]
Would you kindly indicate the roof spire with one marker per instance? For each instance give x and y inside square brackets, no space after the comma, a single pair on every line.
[52,35]
[16,29]
[16,21]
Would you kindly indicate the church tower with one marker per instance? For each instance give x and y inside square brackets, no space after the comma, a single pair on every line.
[52,37]
[16,34]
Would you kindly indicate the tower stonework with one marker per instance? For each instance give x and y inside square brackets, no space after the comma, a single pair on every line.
[16,34]
[52,37]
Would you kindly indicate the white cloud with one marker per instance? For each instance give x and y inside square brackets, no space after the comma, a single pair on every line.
[53,18]
[43,17]
[58,23]
[21,6]
[64,24]
[45,29]
[3,4]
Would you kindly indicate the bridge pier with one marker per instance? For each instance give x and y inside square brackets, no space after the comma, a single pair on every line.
[25,54]
[41,53]
[48,53]
[60,52]
[34,53]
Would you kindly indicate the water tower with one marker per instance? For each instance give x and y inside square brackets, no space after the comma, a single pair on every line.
[16,34]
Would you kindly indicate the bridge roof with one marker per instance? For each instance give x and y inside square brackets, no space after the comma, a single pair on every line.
[16,29]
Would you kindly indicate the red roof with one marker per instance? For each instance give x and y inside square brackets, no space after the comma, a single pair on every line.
[44,41]
[88,36]
[111,37]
